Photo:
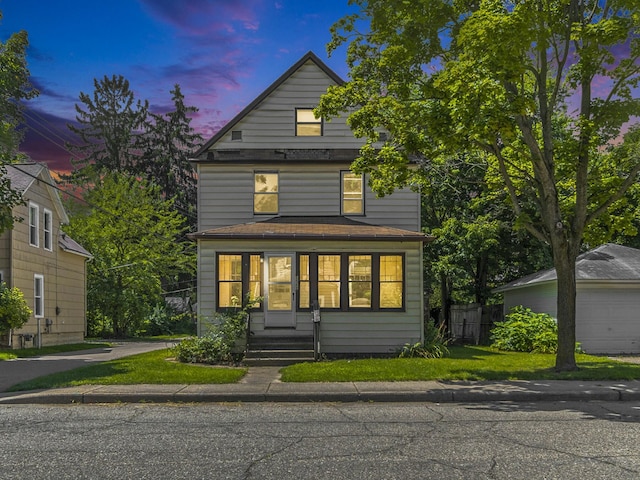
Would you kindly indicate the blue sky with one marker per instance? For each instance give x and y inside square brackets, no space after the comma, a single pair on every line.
[223,53]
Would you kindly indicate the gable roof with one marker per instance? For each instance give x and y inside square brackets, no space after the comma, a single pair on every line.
[309,56]
[310,228]
[23,175]
[608,262]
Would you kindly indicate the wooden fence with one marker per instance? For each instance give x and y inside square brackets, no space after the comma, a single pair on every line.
[472,323]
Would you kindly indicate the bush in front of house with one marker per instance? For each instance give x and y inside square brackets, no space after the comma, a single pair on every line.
[14,312]
[526,331]
[434,345]
[219,343]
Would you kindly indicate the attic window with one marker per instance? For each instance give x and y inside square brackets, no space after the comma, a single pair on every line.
[307,125]
[236,135]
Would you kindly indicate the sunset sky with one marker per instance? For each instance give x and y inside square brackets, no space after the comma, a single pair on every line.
[223,53]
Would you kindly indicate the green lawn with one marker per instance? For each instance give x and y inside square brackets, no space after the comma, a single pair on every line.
[8,354]
[464,363]
[152,368]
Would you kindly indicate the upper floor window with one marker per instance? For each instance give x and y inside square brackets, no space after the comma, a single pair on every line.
[34,212]
[307,125]
[47,230]
[352,193]
[265,193]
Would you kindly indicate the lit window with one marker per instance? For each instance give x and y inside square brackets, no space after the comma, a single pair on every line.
[307,125]
[360,281]
[329,281]
[265,193]
[352,194]
[229,281]
[391,281]
[38,296]
[304,281]
[48,238]
[33,225]
[255,277]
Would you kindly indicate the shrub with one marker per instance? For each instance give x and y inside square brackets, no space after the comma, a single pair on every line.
[218,345]
[434,345]
[526,331]
[14,312]
[164,320]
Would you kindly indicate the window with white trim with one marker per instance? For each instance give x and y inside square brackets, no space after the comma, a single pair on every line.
[48,229]
[34,213]
[38,296]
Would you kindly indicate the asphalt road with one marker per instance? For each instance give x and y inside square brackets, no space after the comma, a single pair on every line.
[22,369]
[322,441]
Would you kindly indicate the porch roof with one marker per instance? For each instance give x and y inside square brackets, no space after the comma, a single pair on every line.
[311,228]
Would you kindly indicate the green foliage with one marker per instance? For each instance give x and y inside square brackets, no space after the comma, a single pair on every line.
[544,89]
[14,311]
[218,345]
[14,90]
[526,331]
[164,320]
[131,234]
[434,345]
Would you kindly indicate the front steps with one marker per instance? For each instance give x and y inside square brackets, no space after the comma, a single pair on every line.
[278,351]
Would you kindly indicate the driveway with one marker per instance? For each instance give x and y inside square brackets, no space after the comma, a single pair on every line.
[21,369]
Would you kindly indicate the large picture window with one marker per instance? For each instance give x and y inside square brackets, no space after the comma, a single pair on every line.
[265,193]
[239,276]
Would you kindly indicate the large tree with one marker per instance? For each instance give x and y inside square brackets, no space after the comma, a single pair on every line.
[544,87]
[109,127]
[14,89]
[169,141]
[131,232]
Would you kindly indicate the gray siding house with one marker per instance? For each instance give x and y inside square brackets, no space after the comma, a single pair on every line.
[607,298]
[47,265]
[281,217]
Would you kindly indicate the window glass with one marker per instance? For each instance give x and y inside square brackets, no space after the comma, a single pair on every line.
[307,125]
[255,276]
[265,196]
[279,286]
[391,281]
[329,281]
[304,281]
[33,225]
[38,296]
[352,194]
[229,280]
[360,281]
[47,230]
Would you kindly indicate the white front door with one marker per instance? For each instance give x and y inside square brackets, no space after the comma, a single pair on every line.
[280,301]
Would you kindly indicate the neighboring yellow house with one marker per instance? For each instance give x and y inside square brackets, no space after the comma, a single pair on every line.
[48,266]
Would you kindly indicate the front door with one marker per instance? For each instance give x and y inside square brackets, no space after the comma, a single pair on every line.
[280,302]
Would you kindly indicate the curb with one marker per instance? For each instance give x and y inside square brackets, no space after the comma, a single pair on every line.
[429,392]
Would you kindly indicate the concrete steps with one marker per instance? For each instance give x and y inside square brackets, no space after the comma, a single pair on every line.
[278,351]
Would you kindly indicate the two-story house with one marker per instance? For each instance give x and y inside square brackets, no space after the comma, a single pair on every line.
[282,217]
[47,265]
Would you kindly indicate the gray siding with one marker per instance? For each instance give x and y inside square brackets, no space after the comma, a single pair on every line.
[226,196]
[341,332]
[272,123]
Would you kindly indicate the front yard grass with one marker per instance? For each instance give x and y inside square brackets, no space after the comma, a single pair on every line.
[8,354]
[464,363]
[145,368]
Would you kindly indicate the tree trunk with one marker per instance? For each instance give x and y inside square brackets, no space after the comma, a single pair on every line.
[565,264]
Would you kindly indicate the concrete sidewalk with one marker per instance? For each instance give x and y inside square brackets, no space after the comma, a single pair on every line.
[262,384]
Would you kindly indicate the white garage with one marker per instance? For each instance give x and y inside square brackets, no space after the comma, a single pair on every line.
[607,299]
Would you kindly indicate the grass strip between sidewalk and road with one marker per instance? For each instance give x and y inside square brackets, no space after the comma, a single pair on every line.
[9,354]
[464,363]
[144,368]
